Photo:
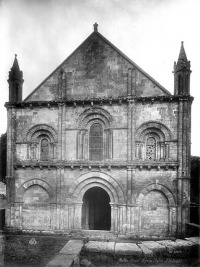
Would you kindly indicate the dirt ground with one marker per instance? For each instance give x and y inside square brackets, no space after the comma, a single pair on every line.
[29,251]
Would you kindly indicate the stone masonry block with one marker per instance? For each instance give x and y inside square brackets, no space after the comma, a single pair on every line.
[128,249]
[100,247]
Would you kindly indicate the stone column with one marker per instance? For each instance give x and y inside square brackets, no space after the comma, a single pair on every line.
[20,214]
[53,216]
[110,156]
[63,133]
[128,220]
[114,217]
[58,196]
[167,151]
[137,150]
[77,215]
[139,219]
[161,150]
[129,82]
[79,152]
[129,185]
[131,130]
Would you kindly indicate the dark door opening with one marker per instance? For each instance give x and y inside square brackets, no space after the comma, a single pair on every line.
[96,212]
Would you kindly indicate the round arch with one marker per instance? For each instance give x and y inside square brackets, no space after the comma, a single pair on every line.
[92,114]
[159,188]
[26,185]
[91,179]
[43,128]
[154,125]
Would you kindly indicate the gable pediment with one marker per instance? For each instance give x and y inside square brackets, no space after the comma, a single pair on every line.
[96,69]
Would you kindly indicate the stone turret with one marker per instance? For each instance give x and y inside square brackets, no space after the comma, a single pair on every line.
[182,89]
[15,82]
[182,74]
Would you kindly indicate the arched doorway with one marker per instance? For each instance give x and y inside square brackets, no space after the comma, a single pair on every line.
[96,212]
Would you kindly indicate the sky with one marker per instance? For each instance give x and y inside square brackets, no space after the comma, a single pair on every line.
[44,32]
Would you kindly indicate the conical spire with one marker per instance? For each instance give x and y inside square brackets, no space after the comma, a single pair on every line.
[15,72]
[15,81]
[182,74]
[182,59]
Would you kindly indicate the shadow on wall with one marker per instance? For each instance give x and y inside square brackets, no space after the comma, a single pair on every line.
[2,205]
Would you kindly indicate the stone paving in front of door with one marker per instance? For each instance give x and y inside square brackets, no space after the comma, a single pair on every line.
[180,248]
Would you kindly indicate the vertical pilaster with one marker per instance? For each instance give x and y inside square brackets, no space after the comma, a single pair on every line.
[129,185]
[10,172]
[131,130]
[183,174]
[63,123]
[20,215]
[78,215]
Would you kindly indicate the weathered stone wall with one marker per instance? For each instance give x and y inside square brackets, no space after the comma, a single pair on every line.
[94,70]
[98,84]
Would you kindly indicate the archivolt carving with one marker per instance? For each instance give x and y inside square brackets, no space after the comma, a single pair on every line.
[157,187]
[39,129]
[93,114]
[26,185]
[153,126]
[91,179]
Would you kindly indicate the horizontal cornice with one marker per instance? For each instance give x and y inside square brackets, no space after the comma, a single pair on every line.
[148,165]
[99,101]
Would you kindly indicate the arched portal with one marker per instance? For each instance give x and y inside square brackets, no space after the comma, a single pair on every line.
[96,210]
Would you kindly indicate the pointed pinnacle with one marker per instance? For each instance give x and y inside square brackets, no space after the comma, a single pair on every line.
[182,55]
[15,66]
[15,72]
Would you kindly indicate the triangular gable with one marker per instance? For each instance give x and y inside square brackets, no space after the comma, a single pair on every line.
[35,94]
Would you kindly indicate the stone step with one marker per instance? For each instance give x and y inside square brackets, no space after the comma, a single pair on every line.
[144,248]
[97,234]
[68,255]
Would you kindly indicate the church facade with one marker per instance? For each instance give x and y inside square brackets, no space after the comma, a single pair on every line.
[99,145]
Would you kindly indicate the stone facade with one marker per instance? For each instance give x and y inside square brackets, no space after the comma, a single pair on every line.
[99,145]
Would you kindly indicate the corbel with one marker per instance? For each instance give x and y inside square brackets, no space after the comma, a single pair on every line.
[152,100]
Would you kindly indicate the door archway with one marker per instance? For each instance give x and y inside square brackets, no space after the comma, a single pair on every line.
[96,210]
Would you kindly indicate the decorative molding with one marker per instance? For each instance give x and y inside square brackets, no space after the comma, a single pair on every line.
[27,184]
[159,128]
[49,130]
[100,101]
[91,179]
[159,187]
[147,165]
